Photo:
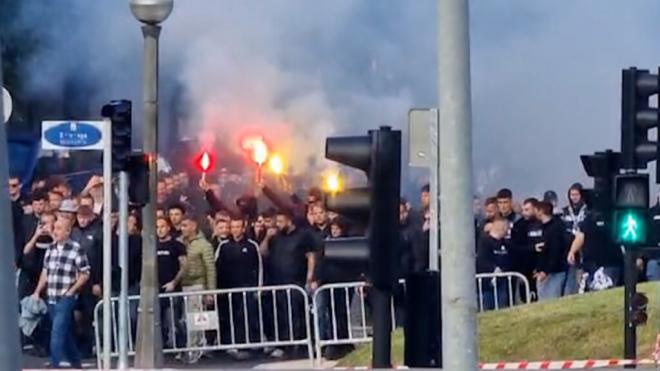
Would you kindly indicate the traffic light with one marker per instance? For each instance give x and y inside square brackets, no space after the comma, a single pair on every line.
[138,179]
[378,154]
[637,118]
[639,304]
[631,215]
[119,113]
[602,166]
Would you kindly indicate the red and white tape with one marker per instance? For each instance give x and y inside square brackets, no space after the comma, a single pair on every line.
[564,365]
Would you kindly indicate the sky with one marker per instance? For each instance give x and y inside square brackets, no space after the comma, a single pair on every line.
[545,74]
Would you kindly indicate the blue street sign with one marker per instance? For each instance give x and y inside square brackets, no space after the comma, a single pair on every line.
[72,135]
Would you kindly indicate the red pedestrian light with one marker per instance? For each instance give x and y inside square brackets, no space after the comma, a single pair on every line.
[205,162]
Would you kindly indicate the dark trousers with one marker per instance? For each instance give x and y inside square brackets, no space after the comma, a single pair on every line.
[241,315]
[290,319]
[62,338]
[333,314]
[85,332]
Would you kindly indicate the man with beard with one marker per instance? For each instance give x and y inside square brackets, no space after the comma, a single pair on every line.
[292,261]
[526,233]
[551,264]
[171,268]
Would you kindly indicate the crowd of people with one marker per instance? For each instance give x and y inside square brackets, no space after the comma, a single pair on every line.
[561,251]
[211,235]
[227,234]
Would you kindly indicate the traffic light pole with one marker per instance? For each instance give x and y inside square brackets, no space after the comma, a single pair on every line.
[381,356]
[459,302]
[123,264]
[630,288]
[10,350]
[149,347]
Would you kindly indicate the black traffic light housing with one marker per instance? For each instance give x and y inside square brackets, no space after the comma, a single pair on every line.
[639,304]
[603,167]
[637,118]
[378,154]
[138,179]
[119,112]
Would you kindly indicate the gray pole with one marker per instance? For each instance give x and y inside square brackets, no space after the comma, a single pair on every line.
[10,349]
[433,189]
[459,310]
[123,264]
[107,243]
[149,347]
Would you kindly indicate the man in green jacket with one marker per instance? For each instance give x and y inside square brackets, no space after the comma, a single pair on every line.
[200,275]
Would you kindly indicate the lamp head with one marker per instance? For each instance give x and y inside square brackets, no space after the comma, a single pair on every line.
[151,11]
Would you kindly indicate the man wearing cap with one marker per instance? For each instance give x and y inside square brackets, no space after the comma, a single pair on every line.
[67,211]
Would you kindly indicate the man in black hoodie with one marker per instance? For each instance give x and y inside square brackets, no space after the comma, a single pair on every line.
[89,235]
[526,233]
[494,256]
[551,265]
[573,216]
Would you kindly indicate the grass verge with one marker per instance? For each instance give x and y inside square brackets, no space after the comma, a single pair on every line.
[586,326]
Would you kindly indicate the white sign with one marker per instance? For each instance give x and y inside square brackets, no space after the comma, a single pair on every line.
[72,135]
[7,105]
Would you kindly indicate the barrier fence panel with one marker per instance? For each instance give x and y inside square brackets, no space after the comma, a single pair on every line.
[194,322]
[341,311]
[341,314]
[502,290]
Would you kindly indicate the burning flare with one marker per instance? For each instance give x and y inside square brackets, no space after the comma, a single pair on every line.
[205,161]
[333,183]
[258,148]
[276,164]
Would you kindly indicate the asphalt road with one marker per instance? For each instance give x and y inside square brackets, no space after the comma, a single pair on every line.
[217,361]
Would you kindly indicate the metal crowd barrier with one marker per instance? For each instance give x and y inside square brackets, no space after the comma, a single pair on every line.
[348,321]
[498,290]
[351,326]
[268,317]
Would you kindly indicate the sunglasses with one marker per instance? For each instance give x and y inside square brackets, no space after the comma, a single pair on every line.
[14,185]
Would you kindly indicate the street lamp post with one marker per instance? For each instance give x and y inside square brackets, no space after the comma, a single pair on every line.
[10,349]
[149,340]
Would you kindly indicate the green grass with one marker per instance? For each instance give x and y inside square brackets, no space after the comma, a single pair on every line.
[578,327]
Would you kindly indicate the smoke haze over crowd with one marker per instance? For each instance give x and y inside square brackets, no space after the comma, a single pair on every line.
[545,74]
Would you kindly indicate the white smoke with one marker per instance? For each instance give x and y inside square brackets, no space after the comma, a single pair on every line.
[545,74]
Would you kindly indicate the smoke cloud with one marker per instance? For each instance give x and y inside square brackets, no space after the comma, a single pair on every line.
[545,75]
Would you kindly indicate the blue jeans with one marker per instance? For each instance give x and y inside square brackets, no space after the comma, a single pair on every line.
[62,336]
[552,287]
[490,299]
[653,270]
[571,287]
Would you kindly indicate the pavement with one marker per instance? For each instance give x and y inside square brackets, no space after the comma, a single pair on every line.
[216,362]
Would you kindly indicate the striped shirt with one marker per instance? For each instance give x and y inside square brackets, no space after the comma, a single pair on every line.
[63,264]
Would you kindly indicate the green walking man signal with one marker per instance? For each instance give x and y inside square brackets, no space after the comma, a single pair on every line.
[631,202]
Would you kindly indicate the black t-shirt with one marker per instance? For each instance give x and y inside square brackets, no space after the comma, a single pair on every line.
[169,253]
[287,256]
[598,249]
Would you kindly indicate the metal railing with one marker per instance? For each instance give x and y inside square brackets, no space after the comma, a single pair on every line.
[340,314]
[242,318]
[498,290]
